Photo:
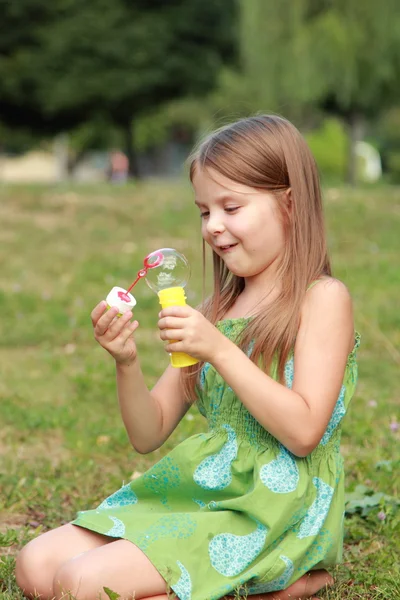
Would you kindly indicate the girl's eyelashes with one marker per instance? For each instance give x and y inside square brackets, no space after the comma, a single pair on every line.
[228,209]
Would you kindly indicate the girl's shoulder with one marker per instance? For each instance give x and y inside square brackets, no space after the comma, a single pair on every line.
[328,304]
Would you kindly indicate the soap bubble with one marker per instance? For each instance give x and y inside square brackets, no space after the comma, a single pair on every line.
[166,268]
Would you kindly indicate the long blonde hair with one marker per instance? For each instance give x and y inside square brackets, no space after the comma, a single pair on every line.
[268,152]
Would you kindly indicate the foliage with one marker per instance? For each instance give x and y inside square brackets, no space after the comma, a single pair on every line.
[345,54]
[364,500]
[178,119]
[387,132]
[112,595]
[64,63]
[394,165]
[328,144]
[297,57]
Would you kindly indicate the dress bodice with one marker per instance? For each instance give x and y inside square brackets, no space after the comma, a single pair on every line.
[218,403]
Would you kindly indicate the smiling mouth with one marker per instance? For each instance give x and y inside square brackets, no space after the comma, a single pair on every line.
[227,247]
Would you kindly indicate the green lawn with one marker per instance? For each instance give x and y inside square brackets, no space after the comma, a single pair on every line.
[62,443]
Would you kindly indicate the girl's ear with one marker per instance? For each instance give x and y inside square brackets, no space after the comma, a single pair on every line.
[286,200]
[288,194]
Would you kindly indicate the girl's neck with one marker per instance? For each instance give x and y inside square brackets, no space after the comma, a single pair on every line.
[252,300]
[263,282]
[262,285]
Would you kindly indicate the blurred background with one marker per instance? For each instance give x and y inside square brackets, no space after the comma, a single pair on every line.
[108,90]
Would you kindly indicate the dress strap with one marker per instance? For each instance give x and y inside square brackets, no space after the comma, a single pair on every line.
[320,278]
[312,284]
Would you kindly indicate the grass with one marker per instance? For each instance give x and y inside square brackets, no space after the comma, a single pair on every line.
[62,443]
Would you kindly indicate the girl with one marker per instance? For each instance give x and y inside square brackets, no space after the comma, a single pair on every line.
[254,506]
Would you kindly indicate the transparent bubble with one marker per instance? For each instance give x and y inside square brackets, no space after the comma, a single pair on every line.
[166,268]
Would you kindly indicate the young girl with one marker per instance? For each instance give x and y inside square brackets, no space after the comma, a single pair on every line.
[255,506]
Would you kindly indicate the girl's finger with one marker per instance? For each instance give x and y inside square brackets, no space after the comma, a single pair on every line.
[175,347]
[171,334]
[176,311]
[97,312]
[171,323]
[127,332]
[105,321]
[117,325]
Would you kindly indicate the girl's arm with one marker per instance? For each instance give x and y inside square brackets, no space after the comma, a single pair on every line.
[298,417]
[149,417]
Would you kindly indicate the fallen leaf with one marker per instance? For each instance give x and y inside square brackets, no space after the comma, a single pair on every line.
[69,349]
[375,546]
[102,440]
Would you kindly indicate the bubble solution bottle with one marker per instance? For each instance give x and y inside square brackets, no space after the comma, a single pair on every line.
[167,273]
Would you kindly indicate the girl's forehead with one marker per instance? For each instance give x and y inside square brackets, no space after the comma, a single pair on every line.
[208,180]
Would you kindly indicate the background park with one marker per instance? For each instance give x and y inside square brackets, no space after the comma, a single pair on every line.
[82,83]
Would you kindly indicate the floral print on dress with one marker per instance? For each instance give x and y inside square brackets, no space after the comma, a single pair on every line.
[230,554]
[316,514]
[320,546]
[282,474]
[183,588]
[118,529]
[214,472]
[162,477]
[289,372]
[123,497]
[203,374]
[338,413]
[173,527]
[279,583]
[199,503]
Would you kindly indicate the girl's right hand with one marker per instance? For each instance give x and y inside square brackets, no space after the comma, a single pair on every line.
[115,333]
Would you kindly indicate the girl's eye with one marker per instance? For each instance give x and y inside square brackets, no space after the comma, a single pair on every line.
[204,214]
[231,209]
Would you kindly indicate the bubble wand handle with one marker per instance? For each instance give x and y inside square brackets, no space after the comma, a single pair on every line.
[141,273]
[175,296]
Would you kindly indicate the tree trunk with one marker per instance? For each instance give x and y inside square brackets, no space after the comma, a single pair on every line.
[355,132]
[130,150]
[73,162]
[60,149]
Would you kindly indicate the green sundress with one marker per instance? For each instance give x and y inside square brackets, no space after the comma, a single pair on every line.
[232,509]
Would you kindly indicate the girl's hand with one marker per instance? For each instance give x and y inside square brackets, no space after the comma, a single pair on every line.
[191,331]
[115,333]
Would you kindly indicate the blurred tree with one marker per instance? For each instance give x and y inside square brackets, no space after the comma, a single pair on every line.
[386,132]
[64,62]
[328,143]
[340,55]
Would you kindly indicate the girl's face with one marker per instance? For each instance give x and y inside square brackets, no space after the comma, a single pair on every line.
[240,223]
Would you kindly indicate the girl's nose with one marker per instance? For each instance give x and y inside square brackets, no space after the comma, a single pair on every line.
[215,225]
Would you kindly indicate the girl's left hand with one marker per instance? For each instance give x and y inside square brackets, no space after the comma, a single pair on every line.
[193,333]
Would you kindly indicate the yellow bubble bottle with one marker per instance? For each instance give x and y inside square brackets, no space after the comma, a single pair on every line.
[175,296]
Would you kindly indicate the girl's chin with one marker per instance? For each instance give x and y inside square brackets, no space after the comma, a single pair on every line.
[243,272]
[236,270]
